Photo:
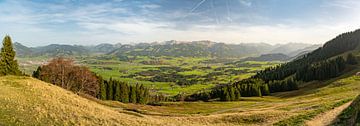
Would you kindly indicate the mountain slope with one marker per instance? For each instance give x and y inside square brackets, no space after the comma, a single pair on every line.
[192,49]
[339,46]
[302,51]
[289,48]
[22,50]
[60,50]
[269,57]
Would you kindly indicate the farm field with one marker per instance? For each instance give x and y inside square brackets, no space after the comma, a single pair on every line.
[166,75]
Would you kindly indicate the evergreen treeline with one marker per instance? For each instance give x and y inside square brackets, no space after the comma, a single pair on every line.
[322,70]
[341,44]
[243,88]
[123,92]
[282,85]
[8,64]
[351,59]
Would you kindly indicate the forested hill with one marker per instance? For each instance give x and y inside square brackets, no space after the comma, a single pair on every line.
[330,61]
[168,48]
[339,46]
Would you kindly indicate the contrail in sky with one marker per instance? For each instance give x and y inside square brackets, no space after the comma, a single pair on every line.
[228,11]
[193,9]
[212,7]
[197,5]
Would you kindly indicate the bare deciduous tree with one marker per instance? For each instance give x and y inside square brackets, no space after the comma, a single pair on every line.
[64,73]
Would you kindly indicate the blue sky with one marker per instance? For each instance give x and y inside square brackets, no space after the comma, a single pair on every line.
[89,22]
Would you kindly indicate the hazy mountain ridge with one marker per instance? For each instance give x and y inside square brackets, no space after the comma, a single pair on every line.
[269,57]
[50,50]
[167,48]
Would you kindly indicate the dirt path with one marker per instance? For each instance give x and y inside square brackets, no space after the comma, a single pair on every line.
[327,117]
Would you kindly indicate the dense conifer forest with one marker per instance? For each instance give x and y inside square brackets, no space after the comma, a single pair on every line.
[317,65]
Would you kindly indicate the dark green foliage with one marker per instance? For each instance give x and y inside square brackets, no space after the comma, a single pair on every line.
[244,88]
[103,88]
[8,64]
[123,92]
[321,70]
[117,92]
[202,95]
[36,74]
[341,44]
[282,85]
[351,59]
[109,89]
[132,95]
[351,115]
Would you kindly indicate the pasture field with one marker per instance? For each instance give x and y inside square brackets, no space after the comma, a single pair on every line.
[165,75]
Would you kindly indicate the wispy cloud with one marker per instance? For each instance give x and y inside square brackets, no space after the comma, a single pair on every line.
[157,20]
[245,2]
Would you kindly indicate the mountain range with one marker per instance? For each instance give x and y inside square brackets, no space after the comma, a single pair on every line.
[168,48]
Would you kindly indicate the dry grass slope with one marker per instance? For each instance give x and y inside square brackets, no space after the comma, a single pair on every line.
[25,101]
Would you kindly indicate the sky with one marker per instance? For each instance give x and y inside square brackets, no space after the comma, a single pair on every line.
[90,22]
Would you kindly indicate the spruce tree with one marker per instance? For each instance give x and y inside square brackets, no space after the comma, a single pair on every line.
[132,94]
[8,64]
[117,91]
[351,59]
[124,92]
[36,74]
[110,90]
[146,96]
[103,88]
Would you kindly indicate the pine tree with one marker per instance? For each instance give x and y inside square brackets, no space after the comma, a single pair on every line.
[237,94]
[117,91]
[351,59]
[8,64]
[227,94]
[124,92]
[36,74]
[132,94]
[103,87]
[110,90]
[232,93]
[140,94]
[145,96]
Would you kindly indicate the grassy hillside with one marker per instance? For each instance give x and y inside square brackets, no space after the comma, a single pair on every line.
[25,101]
